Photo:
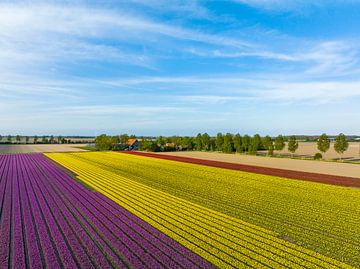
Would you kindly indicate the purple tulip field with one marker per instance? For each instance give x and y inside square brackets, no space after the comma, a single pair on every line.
[48,219]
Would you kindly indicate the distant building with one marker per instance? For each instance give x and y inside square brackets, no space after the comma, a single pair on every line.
[133,144]
[171,145]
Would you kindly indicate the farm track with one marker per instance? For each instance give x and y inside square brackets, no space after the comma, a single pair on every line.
[58,223]
[306,176]
[221,239]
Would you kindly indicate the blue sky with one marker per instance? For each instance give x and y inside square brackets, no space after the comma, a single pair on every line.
[179,67]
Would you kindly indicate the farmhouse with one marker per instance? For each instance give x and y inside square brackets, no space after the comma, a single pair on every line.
[133,144]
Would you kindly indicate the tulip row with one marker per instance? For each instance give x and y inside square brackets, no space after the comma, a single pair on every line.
[223,240]
[50,220]
[320,217]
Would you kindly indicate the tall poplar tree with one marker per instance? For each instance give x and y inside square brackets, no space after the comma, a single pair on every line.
[238,143]
[341,144]
[292,145]
[323,144]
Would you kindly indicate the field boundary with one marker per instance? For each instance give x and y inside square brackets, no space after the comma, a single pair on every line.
[291,174]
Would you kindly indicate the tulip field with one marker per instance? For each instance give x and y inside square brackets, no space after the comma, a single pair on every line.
[116,210]
[49,220]
[230,218]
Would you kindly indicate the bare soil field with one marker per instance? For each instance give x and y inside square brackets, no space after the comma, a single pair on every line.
[308,149]
[309,166]
[39,148]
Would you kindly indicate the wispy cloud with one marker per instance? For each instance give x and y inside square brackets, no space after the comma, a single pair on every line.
[96,63]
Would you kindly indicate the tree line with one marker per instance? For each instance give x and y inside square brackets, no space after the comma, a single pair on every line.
[35,139]
[236,143]
[227,143]
[117,142]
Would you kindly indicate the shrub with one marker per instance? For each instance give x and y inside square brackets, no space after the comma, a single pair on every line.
[318,156]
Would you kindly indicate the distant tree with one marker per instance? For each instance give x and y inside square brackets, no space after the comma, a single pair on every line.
[246,140]
[205,141]
[59,139]
[9,138]
[144,145]
[35,139]
[219,142]
[160,141]
[103,142]
[187,143]
[124,138]
[154,146]
[268,144]
[27,139]
[52,140]
[238,143]
[212,144]
[228,145]
[18,138]
[44,140]
[341,144]
[176,140]
[279,143]
[198,142]
[292,145]
[63,140]
[0,138]
[255,144]
[323,144]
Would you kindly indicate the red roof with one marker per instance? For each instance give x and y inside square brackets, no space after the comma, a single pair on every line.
[132,141]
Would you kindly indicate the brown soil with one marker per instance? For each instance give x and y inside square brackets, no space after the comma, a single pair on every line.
[40,148]
[306,176]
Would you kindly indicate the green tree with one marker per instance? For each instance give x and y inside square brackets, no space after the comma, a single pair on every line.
[292,145]
[1,138]
[268,144]
[35,139]
[205,141]
[52,140]
[124,138]
[255,144]
[176,139]
[9,138]
[198,142]
[219,142]
[238,143]
[187,143]
[323,144]
[212,144]
[146,144]
[18,138]
[228,145]
[103,142]
[44,140]
[246,141]
[27,139]
[279,143]
[341,144]
[160,141]
[59,139]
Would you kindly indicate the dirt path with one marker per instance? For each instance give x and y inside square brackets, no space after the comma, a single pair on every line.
[307,176]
